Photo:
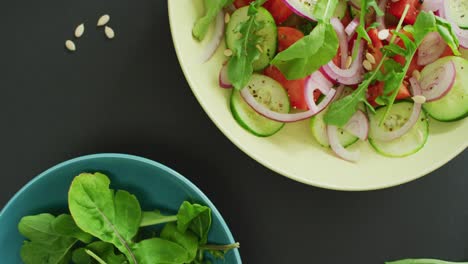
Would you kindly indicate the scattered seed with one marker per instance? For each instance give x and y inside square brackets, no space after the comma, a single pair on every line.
[70,45]
[79,31]
[416,74]
[370,58]
[383,34]
[110,34]
[228,53]
[349,61]
[227,18]
[103,20]
[259,48]
[367,65]
[419,99]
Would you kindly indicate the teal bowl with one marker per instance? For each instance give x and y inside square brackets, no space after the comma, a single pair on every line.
[155,185]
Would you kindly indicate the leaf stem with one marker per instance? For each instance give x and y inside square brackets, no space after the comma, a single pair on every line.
[162,220]
[94,256]
[220,247]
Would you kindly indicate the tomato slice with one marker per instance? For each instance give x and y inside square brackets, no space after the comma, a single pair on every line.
[376,90]
[288,36]
[242,3]
[375,48]
[397,8]
[278,9]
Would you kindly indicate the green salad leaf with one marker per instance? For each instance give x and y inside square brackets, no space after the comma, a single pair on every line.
[212,9]
[50,238]
[196,218]
[105,251]
[155,218]
[187,239]
[160,251]
[113,217]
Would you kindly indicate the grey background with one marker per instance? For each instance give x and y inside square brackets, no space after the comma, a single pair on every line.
[130,96]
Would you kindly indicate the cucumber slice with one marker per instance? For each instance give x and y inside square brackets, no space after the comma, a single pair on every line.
[454,105]
[458,10]
[271,94]
[268,32]
[319,131]
[406,145]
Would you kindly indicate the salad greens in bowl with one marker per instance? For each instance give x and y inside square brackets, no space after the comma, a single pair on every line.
[115,209]
[341,94]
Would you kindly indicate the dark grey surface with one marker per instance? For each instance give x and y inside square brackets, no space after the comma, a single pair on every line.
[130,96]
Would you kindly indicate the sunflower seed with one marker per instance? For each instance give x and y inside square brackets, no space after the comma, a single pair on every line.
[79,31]
[349,61]
[103,20]
[367,65]
[383,34]
[228,53]
[416,74]
[419,99]
[110,34]
[227,18]
[70,45]
[370,58]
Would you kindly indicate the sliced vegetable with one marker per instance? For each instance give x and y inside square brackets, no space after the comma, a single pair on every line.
[454,105]
[431,48]
[349,76]
[438,81]
[319,132]
[338,149]
[266,92]
[409,143]
[223,77]
[288,36]
[278,9]
[358,126]
[396,8]
[303,8]
[458,11]
[215,40]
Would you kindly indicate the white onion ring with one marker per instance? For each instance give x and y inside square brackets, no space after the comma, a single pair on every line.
[389,136]
[431,48]
[223,77]
[301,8]
[349,76]
[351,27]
[292,117]
[338,149]
[340,31]
[215,41]
[316,81]
[358,125]
[437,84]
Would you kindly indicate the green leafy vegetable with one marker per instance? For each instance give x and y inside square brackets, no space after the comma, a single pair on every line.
[160,251]
[51,238]
[212,7]
[196,218]
[113,217]
[155,218]
[309,53]
[245,50]
[186,239]
[324,10]
[423,261]
[105,251]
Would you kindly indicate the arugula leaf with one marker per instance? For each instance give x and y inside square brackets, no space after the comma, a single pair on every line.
[187,239]
[155,218]
[324,10]
[423,261]
[309,53]
[160,251]
[113,217]
[196,218]
[103,250]
[213,7]
[51,238]
[366,6]
[245,49]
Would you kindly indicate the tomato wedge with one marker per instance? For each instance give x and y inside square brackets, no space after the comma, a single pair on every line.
[278,9]
[242,3]
[288,36]
[376,90]
[375,48]
[397,8]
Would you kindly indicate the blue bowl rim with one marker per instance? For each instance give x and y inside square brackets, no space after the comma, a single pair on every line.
[134,158]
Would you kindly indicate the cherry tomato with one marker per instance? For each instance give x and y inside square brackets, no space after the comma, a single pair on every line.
[278,9]
[288,36]
[241,3]
[397,8]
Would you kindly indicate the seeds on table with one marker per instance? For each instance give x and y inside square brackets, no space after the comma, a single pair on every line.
[79,31]
[103,20]
[110,34]
[70,45]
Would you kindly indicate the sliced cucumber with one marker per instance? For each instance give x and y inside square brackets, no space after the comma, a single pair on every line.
[458,10]
[271,94]
[454,105]
[406,145]
[319,131]
[268,32]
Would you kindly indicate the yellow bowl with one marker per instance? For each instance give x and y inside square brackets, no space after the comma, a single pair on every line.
[293,152]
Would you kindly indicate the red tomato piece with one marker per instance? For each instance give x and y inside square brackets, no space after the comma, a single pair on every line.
[397,8]
[295,88]
[278,9]
[376,90]
[241,3]
[375,48]
[288,36]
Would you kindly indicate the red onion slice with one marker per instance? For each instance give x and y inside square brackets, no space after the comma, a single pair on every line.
[223,77]
[292,117]
[316,81]
[215,40]
[381,19]
[340,151]
[431,48]
[303,8]
[349,76]
[340,31]
[389,136]
[462,34]
[358,125]
[438,83]
[351,27]
[431,5]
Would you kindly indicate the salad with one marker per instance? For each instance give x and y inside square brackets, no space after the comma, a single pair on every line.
[369,70]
